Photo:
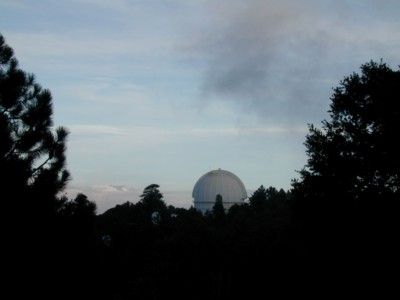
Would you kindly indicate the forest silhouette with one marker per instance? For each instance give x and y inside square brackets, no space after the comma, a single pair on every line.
[334,231]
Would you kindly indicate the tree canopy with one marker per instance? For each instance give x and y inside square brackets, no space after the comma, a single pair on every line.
[347,195]
[152,198]
[44,230]
[32,151]
[355,155]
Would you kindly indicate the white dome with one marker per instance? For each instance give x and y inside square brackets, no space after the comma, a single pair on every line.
[215,182]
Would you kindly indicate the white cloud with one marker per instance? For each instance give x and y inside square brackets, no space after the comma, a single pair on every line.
[160,135]
[251,131]
[97,130]
[108,195]
[105,196]
[110,188]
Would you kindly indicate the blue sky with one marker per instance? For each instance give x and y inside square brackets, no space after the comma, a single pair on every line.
[164,91]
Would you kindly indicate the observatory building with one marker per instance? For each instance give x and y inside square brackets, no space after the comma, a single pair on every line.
[215,182]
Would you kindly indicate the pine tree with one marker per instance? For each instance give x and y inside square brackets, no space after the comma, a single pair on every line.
[32,151]
[32,175]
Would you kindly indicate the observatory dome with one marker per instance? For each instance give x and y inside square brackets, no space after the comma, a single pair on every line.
[215,182]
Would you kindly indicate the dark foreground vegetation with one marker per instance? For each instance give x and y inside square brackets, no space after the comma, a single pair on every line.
[334,233]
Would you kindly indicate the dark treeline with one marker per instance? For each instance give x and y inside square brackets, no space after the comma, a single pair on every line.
[180,252]
[333,233]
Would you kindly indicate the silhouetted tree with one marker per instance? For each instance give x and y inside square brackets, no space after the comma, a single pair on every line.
[32,174]
[32,152]
[79,214]
[356,153]
[218,210]
[152,198]
[355,156]
[349,189]
[80,206]
[259,198]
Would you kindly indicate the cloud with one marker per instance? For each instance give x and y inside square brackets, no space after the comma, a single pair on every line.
[105,196]
[244,50]
[173,134]
[79,51]
[280,59]
[110,188]
[109,195]
[98,130]
[249,131]
[250,55]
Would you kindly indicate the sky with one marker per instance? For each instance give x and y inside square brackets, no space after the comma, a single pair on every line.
[163,91]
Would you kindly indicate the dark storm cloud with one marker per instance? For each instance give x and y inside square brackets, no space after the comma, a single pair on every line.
[257,58]
[281,58]
[244,50]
